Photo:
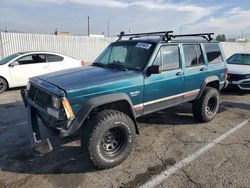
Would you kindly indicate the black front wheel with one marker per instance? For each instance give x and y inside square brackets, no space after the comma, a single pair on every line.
[3,85]
[107,138]
[206,107]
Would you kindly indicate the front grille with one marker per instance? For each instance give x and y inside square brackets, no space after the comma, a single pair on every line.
[39,97]
[235,77]
[245,84]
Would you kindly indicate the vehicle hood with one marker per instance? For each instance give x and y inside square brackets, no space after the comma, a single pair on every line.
[84,77]
[238,69]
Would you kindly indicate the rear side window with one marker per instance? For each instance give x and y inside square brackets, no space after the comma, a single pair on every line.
[32,59]
[54,58]
[213,53]
[193,55]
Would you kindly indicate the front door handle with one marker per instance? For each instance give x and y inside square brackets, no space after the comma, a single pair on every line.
[179,73]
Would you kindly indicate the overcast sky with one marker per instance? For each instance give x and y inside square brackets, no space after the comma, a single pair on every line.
[230,17]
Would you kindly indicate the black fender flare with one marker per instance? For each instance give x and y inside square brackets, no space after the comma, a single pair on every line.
[94,103]
[206,82]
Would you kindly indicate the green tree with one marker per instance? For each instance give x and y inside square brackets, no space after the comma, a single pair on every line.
[221,38]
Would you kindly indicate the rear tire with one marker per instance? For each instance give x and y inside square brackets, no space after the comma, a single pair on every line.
[108,137]
[206,107]
[3,85]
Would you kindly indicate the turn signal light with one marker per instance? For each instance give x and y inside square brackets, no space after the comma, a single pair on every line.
[68,109]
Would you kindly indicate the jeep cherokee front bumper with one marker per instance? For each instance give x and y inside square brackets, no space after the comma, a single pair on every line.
[39,145]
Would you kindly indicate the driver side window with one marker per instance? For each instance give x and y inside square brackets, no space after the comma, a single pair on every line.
[157,60]
[168,57]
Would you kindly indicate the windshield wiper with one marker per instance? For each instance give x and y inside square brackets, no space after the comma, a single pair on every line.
[98,64]
[118,65]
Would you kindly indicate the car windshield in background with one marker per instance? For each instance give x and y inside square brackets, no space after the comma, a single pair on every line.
[9,58]
[126,55]
[239,59]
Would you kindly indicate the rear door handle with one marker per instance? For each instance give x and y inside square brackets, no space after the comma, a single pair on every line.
[179,73]
[203,69]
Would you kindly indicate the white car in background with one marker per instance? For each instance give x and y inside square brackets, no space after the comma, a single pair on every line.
[239,71]
[16,69]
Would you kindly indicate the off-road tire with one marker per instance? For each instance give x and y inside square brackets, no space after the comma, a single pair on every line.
[206,107]
[3,85]
[96,139]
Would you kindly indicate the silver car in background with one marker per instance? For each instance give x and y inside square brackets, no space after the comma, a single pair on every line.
[239,71]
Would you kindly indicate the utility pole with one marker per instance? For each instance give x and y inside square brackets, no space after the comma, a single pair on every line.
[1,47]
[108,28]
[88,26]
[6,27]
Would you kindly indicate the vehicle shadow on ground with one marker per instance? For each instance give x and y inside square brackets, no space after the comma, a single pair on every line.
[65,158]
[178,115]
[234,92]
[15,151]
[238,105]
[234,105]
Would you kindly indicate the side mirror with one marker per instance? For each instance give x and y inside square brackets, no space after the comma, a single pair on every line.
[154,69]
[13,64]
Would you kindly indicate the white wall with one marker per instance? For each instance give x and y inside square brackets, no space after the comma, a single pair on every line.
[232,47]
[80,47]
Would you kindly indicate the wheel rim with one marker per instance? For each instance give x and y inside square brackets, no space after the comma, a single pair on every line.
[113,141]
[211,106]
[1,85]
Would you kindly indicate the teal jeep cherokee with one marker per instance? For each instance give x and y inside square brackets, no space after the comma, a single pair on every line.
[136,75]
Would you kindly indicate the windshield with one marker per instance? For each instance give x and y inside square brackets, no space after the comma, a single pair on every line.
[128,54]
[239,59]
[9,58]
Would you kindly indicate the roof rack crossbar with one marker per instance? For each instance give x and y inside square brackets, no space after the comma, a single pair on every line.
[165,35]
[207,36]
[137,35]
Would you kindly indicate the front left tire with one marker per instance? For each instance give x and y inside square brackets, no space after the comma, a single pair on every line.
[108,138]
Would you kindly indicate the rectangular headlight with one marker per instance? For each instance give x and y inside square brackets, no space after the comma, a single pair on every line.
[56,102]
[53,112]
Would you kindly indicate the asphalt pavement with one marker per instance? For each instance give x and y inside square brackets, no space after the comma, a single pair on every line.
[172,150]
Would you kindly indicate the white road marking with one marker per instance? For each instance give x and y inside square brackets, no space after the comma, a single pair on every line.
[167,173]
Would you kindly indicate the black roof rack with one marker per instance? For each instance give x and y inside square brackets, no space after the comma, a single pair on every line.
[165,35]
[207,36]
[138,35]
